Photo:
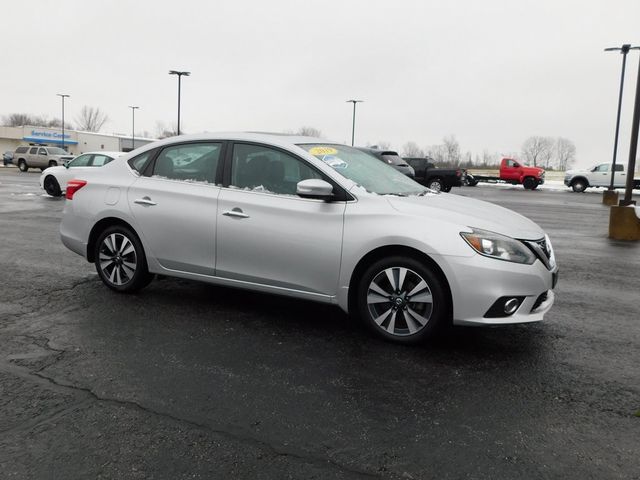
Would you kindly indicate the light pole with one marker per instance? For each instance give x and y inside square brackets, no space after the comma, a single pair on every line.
[179,74]
[63,96]
[353,125]
[133,126]
[623,50]
[633,148]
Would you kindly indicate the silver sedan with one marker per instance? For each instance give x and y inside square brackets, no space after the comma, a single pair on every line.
[312,219]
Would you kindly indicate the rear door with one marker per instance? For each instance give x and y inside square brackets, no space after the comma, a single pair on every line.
[174,204]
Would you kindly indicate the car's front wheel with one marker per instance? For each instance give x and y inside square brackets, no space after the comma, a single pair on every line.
[402,300]
[579,185]
[51,186]
[120,260]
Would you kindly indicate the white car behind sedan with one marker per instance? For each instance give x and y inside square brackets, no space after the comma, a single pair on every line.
[54,179]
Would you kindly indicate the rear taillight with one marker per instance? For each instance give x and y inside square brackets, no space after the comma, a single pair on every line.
[458,173]
[73,186]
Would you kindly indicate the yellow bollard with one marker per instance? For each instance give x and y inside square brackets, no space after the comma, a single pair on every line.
[624,224]
[610,197]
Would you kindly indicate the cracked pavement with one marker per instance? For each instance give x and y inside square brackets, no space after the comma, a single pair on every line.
[187,380]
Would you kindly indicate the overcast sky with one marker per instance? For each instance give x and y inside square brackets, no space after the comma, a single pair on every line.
[489,72]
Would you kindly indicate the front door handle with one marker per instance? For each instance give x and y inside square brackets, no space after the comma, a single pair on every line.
[144,201]
[236,212]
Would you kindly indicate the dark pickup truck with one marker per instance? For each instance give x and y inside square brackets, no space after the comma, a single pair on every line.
[439,179]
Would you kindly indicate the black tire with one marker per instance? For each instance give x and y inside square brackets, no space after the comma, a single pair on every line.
[529,183]
[52,163]
[471,181]
[579,185]
[22,165]
[399,323]
[118,275]
[51,186]
[436,184]
[446,188]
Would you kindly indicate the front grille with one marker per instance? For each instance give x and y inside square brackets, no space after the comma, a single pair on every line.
[542,250]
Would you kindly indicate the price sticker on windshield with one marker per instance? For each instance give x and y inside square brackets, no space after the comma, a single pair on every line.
[318,151]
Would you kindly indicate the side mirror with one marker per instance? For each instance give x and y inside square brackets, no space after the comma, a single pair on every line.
[315,188]
[66,164]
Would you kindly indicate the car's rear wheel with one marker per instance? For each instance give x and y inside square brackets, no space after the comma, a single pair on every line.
[120,260]
[435,184]
[22,165]
[402,300]
[579,185]
[51,186]
[446,188]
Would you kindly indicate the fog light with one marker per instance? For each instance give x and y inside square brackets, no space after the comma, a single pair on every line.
[511,305]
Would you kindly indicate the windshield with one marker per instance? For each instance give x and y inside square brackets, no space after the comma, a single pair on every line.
[56,151]
[365,170]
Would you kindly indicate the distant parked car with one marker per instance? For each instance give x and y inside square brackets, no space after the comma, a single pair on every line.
[35,156]
[7,157]
[54,180]
[598,176]
[392,158]
[438,179]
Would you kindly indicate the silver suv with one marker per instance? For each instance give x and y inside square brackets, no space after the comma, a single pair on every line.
[41,157]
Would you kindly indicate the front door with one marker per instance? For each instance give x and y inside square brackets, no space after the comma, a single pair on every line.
[175,206]
[267,234]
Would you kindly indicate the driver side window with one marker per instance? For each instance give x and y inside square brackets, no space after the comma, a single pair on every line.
[263,169]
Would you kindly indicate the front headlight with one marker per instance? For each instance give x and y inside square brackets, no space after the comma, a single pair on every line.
[498,246]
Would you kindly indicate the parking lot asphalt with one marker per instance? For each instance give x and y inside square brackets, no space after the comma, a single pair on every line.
[188,380]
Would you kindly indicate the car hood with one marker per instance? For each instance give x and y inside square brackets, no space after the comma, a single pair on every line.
[468,212]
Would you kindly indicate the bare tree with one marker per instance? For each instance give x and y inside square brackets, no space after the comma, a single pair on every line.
[411,149]
[437,153]
[309,132]
[165,131]
[91,119]
[452,150]
[565,153]
[538,150]
[17,119]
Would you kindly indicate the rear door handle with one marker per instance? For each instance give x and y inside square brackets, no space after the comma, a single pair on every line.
[236,212]
[144,201]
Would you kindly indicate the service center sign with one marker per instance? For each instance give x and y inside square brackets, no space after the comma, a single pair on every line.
[49,134]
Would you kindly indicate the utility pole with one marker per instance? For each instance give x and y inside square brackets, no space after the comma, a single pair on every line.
[353,125]
[179,74]
[624,50]
[63,96]
[633,148]
[133,126]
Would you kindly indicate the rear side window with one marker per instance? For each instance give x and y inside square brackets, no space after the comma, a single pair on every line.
[21,150]
[140,162]
[619,168]
[196,162]
[33,151]
[100,160]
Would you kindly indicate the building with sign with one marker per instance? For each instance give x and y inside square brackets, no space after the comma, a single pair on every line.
[75,142]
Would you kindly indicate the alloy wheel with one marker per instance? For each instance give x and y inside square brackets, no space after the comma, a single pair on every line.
[399,301]
[118,259]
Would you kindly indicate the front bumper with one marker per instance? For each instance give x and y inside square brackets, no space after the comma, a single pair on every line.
[477,282]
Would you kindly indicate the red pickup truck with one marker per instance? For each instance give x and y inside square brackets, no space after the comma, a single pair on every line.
[511,171]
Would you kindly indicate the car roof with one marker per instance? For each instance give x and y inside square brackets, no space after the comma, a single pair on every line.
[377,151]
[103,152]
